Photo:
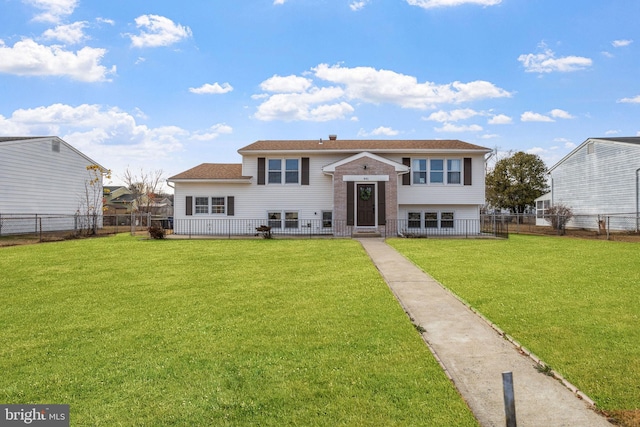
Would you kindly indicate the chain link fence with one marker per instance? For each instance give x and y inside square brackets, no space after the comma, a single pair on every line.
[598,224]
[57,227]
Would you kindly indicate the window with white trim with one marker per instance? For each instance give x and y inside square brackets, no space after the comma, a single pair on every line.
[453,171]
[217,205]
[419,171]
[436,171]
[283,219]
[541,208]
[327,219]
[283,171]
[202,205]
[414,219]
[431,219]
[446,219]
[210,205]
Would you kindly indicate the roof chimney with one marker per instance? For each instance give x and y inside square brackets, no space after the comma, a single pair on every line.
[333,137]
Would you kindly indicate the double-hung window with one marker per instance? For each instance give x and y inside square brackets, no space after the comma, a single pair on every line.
[419,171]
[280,219]
[436,171]
[453,171]
[414,219]
[217,205]
[202,205]
[292,173]
[275,171]
[287,169]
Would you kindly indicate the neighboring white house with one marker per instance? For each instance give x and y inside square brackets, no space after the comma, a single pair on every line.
[599,178]
[338,187]
[42,176]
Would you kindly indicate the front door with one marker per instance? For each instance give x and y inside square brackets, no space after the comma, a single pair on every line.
[366,196]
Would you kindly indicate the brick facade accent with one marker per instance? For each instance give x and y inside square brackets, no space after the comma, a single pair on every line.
[373,167]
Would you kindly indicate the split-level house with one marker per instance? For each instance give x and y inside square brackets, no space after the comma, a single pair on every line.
[337,187]
[600,181]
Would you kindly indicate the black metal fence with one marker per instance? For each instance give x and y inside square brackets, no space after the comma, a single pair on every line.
[465,228]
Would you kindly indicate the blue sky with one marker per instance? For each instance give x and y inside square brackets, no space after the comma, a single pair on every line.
[169,85]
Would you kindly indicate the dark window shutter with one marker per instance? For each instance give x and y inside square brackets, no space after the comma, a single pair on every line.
[350,207]
[467,171]
[382,203]
[189,205]
[305,171]
[261,170]
[406,178]
[230,206]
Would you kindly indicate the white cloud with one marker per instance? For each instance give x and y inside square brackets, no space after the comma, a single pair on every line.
[621,43]
[300,98]
[110,136]
[448,127]
[561,114]
[546,62]
[106,21]
[213,132]
[612,132]
[318,104]
[52,10]
[384,86]
[530,116]
[211,89]
[69,34]
[158,31]
[500,119]
[357,5]
[634,100]
[288,84]
[452,116]
[28,58]
[429,4]
[489,136]
[278,1]
[382,130]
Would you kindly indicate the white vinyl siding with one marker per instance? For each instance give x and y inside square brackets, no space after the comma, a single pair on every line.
[598,178]
[43,176]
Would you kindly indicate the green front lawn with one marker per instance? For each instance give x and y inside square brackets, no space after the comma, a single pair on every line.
[574,303]
[201,332]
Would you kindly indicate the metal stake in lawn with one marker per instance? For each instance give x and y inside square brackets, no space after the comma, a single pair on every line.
[509,399]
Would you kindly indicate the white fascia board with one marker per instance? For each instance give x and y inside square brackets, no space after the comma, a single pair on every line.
[398,166]
[211,181]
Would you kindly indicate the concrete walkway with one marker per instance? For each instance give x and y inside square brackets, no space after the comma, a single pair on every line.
[475,355]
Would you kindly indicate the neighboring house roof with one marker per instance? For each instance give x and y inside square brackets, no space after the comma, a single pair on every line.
[10,140]
[124,199]
[625,140]
[212,171]
[346,145]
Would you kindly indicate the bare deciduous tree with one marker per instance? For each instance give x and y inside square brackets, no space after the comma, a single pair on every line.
[144,186]
[91,206]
